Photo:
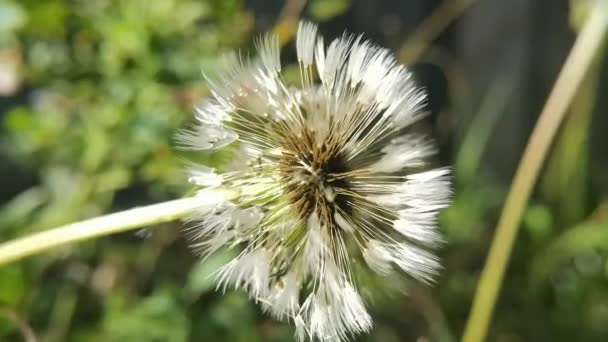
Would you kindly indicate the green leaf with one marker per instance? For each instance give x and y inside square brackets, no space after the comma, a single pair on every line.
[18,210]
[537,222]
[582,238]
[156,318]
[12,284]
[201,278]
[326,9]
[12,16]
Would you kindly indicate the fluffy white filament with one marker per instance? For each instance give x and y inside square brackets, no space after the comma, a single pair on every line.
[322,176]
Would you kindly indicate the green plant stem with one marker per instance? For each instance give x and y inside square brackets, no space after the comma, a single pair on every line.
[430,28]
[573,72]
[100,226]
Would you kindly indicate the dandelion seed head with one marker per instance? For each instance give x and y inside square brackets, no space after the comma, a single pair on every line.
[324,175]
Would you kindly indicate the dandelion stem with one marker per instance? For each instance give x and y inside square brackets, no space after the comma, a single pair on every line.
[573,72]
[99,226]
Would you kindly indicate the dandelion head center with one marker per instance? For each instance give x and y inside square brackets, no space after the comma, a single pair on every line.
[315,174]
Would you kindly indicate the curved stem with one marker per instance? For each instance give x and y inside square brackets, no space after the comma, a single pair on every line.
[27,333]
[96,227]
[577,64]
[431,28]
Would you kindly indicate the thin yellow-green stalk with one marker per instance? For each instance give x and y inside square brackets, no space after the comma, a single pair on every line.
[431,28]
[95,227]
[577,64]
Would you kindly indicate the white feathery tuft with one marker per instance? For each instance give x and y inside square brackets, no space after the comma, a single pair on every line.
[250,272]
[204,176]
[343,223]
[306,39]
[320,177]
[377,257]
[403,152]
[270,52]
[283,300]
[205,138]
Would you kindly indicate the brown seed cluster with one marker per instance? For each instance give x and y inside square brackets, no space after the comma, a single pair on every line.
[314,175]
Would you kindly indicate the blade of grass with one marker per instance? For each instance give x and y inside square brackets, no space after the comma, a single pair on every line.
[482,127]
[431,28]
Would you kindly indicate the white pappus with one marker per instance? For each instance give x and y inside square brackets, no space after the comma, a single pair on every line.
[324,175]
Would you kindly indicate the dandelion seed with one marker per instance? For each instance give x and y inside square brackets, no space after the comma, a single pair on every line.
[323,176]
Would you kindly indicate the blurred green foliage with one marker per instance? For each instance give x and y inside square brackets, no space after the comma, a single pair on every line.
[92,92]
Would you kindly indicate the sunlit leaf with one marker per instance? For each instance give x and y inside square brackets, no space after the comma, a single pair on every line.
[587,236]
[327,9]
